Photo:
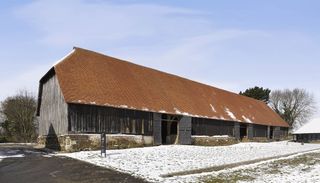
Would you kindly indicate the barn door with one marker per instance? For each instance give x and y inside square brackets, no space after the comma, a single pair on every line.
[185,130]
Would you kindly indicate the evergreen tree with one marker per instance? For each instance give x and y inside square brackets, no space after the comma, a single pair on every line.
[258,93]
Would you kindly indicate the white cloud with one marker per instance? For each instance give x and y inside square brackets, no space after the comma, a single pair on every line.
[176,40]
[65,22]
[28,80]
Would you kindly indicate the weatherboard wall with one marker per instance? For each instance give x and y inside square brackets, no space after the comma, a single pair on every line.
[53,109]
[211,127]
[97,119]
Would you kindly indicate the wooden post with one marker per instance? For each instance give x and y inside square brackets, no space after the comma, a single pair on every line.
[157,138]
[103,144]
[276,133]
[237,130]
[184,134]
[250,131]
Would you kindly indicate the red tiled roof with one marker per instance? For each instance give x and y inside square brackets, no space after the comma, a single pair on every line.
[87,77]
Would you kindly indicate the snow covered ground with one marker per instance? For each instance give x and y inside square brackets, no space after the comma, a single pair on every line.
[299,168]
[153,162]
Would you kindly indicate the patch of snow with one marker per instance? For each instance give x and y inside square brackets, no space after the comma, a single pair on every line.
[212,108]
[152,162]
[206,136]
[246,119]
[60,60]
[232,116]
[221,136]
[145,109]
[47,155]
[177,111]
[162,111]
[10,154]
[13,143]
[200,136]
[311,127]
[123,106]
[198,177]
[93,103]
[122,135]
[292,174]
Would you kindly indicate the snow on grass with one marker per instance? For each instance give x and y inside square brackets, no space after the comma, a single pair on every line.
[297,174]
[152,162]
[301,167]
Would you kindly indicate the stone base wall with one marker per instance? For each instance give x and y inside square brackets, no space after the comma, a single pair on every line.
[82,142]
[256,139]
[213,140]
[264,139]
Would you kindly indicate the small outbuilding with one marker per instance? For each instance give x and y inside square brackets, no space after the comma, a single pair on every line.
[310,132]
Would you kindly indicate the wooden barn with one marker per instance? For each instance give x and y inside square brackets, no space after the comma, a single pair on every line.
[309,132]
[90,93]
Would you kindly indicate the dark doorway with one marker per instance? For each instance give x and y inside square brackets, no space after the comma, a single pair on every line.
[243,131]
[271,133]
[169,128]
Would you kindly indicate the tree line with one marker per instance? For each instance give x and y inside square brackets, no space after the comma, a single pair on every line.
[295,106]
[17,118]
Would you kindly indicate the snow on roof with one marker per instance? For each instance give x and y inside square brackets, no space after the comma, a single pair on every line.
[246,119]
[230,114]
[311,127]
[88,76]
[63,58]
[213,109]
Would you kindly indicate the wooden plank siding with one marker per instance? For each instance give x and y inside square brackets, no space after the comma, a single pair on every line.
[283,132]
[210,127]
[54,110]
[96,119]
[260,131]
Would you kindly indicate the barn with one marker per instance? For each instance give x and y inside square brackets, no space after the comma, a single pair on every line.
[309,132]
[88,93]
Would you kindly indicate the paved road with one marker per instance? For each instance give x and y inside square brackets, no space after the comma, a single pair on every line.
[38,166]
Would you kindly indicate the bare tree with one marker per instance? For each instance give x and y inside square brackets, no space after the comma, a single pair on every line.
[19,117]
[295,106]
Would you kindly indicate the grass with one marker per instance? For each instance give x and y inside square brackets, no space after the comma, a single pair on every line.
[231,178]
[283,166]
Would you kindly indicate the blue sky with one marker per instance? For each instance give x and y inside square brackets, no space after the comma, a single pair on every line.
[229,44]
